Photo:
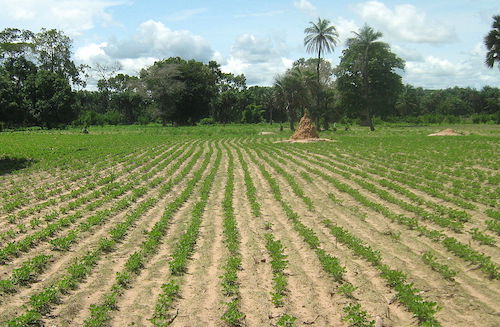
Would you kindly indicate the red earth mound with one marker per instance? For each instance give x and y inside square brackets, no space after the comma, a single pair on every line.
[306,129]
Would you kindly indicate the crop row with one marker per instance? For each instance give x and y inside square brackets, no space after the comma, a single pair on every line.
[41,303]
[76,194]
[15,248]
[450,243]
[331,265]
[183,251]
[76,177]
[64,243]
[230,286]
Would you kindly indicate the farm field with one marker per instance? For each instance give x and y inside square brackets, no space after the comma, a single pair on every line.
[222,226]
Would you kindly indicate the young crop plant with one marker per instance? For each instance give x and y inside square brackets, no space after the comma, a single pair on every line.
[297,190]
[40,303]
[430,259]
[450,243]
[185,246]
[250,187]
[408,295]
[100,313]
[482,238]
[356,317]
[230,286]
[278,265]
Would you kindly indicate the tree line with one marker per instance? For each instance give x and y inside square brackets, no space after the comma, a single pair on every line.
[40,85]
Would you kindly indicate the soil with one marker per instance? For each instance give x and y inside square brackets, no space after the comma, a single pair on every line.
[313,296]
[446,132]
[306,129]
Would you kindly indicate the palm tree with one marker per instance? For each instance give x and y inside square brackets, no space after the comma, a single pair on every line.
[321,37]
[363,42]
[492,43]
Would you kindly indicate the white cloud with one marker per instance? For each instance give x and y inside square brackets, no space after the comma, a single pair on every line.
[436,73]
[306,7]
[92,53]
[132,66]
[154,39]
[345,28]
[405,22]
[72,16]
[260,59]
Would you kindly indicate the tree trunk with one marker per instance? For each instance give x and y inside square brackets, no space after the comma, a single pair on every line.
[291,119]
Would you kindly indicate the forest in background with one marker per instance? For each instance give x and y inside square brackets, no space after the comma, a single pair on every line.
[40,85]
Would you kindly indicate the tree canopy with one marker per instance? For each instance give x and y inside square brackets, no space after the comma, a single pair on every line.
[367,77]
[492,43]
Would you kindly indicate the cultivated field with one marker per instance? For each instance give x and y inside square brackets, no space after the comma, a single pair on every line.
[220,226]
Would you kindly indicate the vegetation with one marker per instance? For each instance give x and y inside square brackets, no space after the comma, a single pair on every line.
[492,43]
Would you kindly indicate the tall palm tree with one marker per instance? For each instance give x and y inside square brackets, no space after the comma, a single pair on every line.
[363,42]
[321,37]
[492,43]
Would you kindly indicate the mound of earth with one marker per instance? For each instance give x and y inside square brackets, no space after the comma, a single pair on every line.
[446,132]
[306,129]
[266,133]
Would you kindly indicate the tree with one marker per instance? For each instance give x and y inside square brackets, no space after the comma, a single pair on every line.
[321,37]
[492,43]
[15,43]
[195,99]
[12,111]
[367,77]
[51,99]
[293,93]
[53,50]
[162,83]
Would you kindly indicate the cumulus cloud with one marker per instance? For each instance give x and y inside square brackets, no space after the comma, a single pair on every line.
[405,22]
[345,27]
[306,7]
[72,16]
[260,59]
[154,39]
[152,42]
[436,73]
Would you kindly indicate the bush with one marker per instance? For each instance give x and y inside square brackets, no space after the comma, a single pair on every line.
[207,121]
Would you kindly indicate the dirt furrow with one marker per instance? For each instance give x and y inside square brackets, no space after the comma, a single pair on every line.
[255,276]
[200,302]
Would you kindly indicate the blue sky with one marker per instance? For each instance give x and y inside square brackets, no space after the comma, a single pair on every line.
[441,41]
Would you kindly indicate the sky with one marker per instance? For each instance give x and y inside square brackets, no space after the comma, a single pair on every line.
[441,41]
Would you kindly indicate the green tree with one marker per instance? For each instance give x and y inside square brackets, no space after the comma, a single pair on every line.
[162,83]
[321,37]
[492,43]
[293,93]
[53,49]
[15,43]
[12,111]
[195,99]
[51,99]
[367,77]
